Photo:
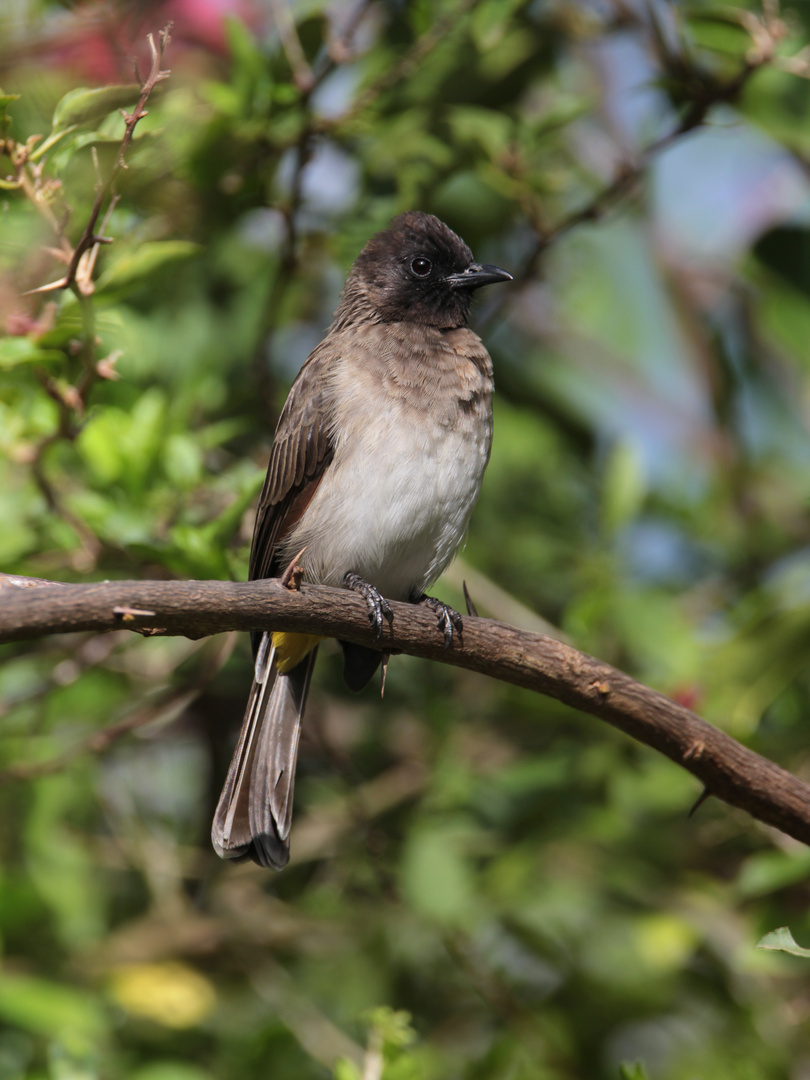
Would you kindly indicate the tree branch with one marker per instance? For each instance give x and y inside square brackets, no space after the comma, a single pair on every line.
[194,609]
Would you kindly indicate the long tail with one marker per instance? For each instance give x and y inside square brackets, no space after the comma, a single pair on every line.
[252,818]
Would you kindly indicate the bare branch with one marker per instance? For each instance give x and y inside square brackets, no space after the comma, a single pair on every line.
[339,49]
[728,770]
[88,239]
[291,44]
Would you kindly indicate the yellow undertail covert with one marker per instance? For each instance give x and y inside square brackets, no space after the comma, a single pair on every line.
[292,648]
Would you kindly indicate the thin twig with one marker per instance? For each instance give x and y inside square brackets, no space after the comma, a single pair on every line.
[88,238]
[291,44]
[338,50]
[90,543]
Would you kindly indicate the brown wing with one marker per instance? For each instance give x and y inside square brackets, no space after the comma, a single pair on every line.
[302,451]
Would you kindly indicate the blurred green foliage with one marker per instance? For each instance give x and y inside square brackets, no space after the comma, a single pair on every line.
[483,884]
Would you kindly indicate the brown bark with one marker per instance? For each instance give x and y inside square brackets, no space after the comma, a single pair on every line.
[726,768]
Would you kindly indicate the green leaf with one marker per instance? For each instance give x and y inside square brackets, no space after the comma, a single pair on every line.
[564,110]
[509,52]
[100,448]
[490,21]
[85,105]
[783,312]
[170,1070]
[767,871]
[182,460]
[249,60]
[220,432]
[346,1070]
[47,1008]
[7,99]
[781,940]
[436,876]
[195,552]
[487,128]
[224,526]
[137,265]
[623,487]
[126,447]
[393,1026]
[223,96]
[22,350]
[632,1072]
[718,31]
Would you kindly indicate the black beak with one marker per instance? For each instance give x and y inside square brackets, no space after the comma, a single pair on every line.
[477,275]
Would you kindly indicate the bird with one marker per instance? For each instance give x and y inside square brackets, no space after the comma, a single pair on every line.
[376,464]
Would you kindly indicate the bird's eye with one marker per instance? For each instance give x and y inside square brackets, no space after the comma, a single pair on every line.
[420,266]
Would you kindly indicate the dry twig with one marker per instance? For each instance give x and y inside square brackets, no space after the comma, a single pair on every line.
[78,275]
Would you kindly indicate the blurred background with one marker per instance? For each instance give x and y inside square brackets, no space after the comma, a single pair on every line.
[483,883]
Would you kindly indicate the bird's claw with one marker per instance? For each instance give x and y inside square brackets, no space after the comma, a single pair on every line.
[379,610]
[448,618]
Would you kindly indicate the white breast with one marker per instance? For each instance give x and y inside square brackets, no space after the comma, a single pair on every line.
[394,504]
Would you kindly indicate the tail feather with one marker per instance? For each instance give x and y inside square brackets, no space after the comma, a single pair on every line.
[252,818]
[359,664]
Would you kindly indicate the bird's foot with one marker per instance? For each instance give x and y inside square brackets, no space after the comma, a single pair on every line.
[448,618]
[379,610]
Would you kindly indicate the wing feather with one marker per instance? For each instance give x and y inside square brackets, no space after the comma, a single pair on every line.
[302,451]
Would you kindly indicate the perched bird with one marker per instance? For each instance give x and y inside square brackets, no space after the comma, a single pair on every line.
[375,468]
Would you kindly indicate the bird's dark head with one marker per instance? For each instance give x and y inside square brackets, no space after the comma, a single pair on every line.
[417,270]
